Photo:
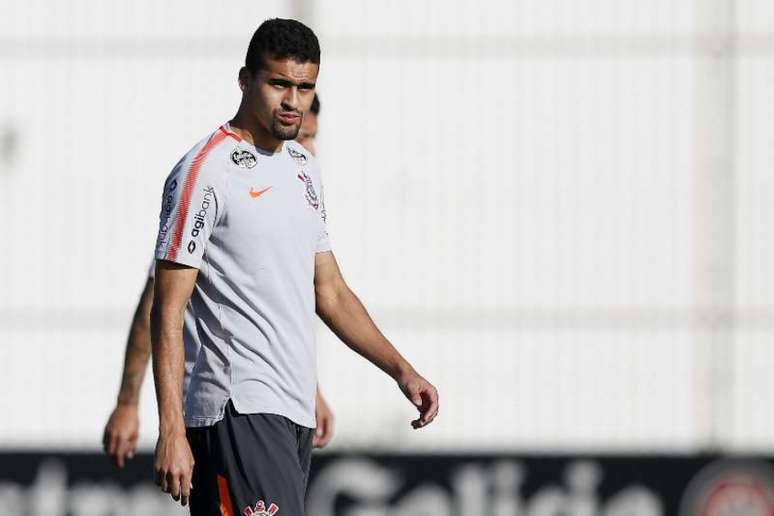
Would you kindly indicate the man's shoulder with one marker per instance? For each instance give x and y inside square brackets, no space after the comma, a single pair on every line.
[210,154]
[220,143]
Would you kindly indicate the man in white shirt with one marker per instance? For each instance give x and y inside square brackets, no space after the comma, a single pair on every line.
[242,237]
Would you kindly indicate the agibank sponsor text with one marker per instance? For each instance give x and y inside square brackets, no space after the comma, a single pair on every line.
[201,216]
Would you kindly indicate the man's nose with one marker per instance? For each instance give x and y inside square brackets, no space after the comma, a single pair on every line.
[291,99]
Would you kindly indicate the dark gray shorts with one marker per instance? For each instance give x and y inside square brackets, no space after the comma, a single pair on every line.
[250,464]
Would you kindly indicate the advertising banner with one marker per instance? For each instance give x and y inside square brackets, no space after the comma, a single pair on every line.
[87,484]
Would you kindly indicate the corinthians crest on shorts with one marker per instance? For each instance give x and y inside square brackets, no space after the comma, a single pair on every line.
[309,191]
[243,158]
[298,156]
[261,509]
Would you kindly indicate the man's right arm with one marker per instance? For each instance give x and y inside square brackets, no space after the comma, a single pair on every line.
[173,464]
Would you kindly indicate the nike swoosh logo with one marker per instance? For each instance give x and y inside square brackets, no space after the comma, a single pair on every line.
[255,194]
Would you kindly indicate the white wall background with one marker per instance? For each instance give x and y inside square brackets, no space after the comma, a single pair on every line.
[557,209]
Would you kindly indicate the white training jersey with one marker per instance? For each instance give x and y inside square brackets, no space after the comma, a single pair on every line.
[251,222]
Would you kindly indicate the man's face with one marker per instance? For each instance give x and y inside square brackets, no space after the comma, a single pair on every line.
[308,132]
[279,94]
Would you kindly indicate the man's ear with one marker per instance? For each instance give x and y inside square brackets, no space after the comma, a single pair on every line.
[245,77]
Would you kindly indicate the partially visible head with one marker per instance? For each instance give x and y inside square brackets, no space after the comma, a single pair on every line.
[279,76]
[308,132]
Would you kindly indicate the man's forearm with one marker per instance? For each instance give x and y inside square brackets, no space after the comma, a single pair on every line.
[346,316]
[138,349]
[135,363]
[167,350]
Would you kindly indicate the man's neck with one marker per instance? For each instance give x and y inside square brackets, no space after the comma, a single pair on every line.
[251,131]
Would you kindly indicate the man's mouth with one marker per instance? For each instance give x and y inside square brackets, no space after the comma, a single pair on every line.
[289,117]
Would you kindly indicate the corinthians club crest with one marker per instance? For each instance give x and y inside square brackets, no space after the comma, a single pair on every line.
[260,509]
[309,193]
[298,156]
[243,158]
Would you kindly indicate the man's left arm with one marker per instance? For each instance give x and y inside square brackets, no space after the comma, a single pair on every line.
[346,316]
[121,430]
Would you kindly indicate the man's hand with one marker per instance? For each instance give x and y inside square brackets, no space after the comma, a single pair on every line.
[173,466]
[422,394]
[324,431]
[120,436]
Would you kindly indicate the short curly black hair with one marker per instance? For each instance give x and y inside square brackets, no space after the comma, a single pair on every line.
[281,39]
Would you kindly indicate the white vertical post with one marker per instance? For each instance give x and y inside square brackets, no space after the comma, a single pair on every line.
[715,119]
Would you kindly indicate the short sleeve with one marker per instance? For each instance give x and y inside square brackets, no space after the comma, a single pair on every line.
[189,209]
